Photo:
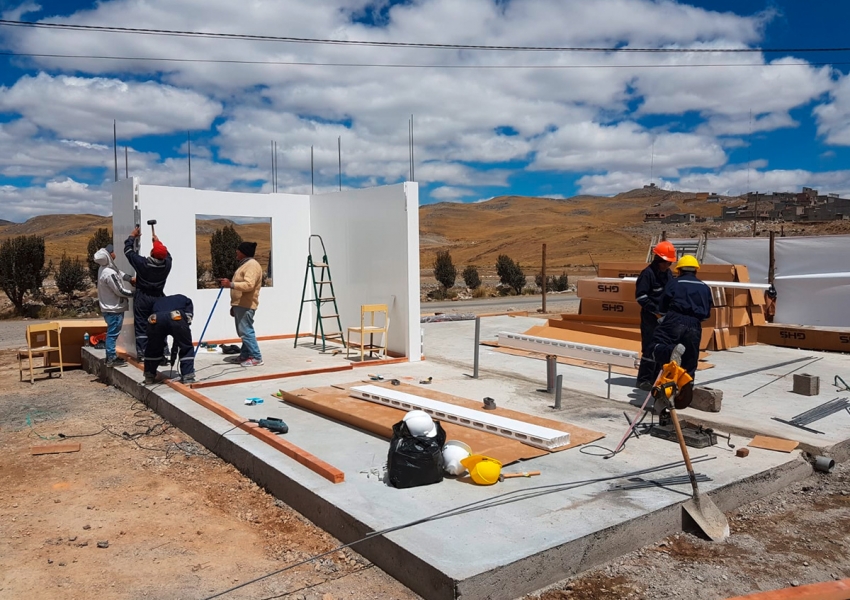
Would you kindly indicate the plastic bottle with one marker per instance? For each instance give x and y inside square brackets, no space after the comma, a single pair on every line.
[86,339]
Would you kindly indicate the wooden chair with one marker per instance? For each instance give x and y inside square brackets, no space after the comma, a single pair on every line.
[39,344]
[370,329]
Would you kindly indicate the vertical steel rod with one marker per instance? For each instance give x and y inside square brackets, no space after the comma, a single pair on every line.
[189,154]
[609,381]
[545,282]
[312,180]
[115,145]
[559,382]
[126,164]
[477,338]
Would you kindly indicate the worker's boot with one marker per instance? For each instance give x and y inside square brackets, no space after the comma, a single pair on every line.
[676,355]
[150,379]
[187,379]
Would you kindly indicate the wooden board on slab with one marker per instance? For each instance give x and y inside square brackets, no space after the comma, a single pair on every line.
[54,449]
[772,443]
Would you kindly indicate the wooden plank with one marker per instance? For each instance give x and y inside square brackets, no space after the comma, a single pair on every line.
[267,376]
[55,449]
[827,590]
[300,455]
[261,338]
[772,443]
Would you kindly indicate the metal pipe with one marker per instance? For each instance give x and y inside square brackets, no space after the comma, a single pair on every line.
[824,464]
[477,338]
[551,372]
[558,383]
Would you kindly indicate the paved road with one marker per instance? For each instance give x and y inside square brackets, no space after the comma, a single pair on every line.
[554,303]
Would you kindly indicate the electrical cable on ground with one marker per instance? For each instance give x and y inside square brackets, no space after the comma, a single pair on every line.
[498,500]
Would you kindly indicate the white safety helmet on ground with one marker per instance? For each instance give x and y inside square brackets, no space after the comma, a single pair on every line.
[420,423]
[454,452]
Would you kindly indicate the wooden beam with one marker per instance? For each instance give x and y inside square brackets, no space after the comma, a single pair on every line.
[267,376]
[54,449]
[301,456]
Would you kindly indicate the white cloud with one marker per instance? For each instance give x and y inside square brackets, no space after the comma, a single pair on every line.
[624,146]
[834,117]
[450,193]
[83,108]
[15,14]
[64,196]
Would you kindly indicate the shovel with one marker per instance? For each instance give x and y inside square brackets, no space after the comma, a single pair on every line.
[701,509]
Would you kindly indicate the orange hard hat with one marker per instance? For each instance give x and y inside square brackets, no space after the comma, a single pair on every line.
[665,250]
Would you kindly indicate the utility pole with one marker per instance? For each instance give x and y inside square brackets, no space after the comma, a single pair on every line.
[545,281]
[771,264]
[755,214]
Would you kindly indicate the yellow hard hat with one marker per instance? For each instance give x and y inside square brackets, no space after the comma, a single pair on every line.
[687,261]
[483,469]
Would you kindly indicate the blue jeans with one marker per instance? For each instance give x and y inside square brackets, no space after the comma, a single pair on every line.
[114,322]
[244,318]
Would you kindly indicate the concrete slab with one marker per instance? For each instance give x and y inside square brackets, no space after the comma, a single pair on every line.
[756,382]
[517,536]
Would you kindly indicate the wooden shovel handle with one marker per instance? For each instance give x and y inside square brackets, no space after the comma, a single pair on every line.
[684,450]
[525,474]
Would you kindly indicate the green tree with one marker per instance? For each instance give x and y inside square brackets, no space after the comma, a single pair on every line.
[471,277]
[444,270]
[202,269]
[223,244]
[510,273]
[71,276]
[21,268]
[101,239]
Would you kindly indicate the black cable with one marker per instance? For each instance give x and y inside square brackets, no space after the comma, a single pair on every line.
[385,44]
[409,66]
[497,500]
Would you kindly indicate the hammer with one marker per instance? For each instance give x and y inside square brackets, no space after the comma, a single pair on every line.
[152,222]
[503,476]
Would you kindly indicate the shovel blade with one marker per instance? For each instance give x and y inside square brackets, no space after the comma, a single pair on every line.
[708,518]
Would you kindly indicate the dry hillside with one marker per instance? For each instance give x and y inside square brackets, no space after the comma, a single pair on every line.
[252,232]
[62,233]
[573,229]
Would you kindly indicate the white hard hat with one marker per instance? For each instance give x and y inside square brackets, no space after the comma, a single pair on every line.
[420,423]
[453,453]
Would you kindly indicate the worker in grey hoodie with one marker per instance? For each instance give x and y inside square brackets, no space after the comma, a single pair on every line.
[114,298]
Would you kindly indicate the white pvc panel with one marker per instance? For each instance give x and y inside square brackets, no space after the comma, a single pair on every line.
[533,435]
[600,354]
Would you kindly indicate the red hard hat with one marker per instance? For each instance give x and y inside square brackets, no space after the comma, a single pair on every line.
[666,251]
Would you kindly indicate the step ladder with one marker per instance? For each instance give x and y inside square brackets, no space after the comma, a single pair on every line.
[694,247]
[319,276]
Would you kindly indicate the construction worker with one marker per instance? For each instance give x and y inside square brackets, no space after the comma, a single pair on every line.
[171,315]
[685,304]
[244,299]
[648,291]
[113,297]
[151,273]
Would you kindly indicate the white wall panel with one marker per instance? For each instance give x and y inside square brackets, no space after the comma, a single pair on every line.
[372,240]
[175,210]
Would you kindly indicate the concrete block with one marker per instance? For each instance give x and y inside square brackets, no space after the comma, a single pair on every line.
[807,385]
[742,452]
[707,399]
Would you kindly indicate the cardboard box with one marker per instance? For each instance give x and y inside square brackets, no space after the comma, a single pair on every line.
[721,339]
[620,332]
[757,297]
[735,297]
[734,337]
[739,316]
[718,318]
[594,306]
[757,315]
[606,290]
[749,335]
[742,274]
[706,342]
[718,296]
[621,321]
[804,337]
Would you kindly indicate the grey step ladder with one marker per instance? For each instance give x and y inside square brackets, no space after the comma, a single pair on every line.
[695,247]
[319,275]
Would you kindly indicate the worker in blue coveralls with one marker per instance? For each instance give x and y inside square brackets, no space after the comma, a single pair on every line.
[686,303]
[648,292]
[171,315]
[151,273]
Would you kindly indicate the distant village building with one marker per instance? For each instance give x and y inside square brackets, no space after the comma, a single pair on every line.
[806,206]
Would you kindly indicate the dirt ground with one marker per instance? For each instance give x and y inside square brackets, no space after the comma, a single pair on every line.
[796,537]
[180,523]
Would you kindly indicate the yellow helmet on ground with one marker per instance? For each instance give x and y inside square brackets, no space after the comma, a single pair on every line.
[687,262]
[483,469]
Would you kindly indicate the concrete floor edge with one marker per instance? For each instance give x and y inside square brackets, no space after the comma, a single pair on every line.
[503,583]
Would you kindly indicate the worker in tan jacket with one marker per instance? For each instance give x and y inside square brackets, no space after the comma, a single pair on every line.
[244,299]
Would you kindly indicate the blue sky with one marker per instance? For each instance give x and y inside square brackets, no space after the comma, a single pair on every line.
[487,123]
